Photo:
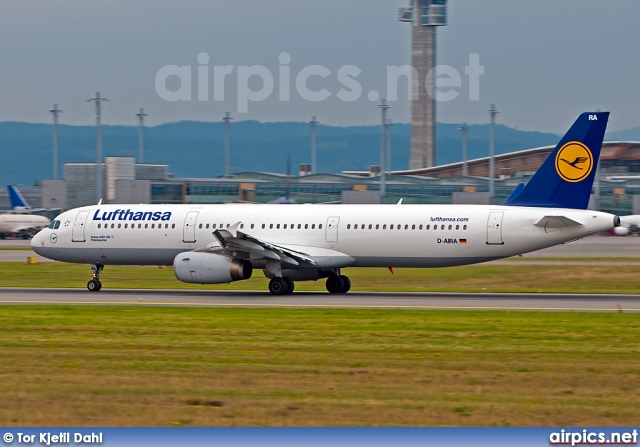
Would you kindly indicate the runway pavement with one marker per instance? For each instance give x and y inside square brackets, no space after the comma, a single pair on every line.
[354,300]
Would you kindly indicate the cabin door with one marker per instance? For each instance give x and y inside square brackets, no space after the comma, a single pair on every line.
[494,228]
[331,233]
[189,232]
[77,234]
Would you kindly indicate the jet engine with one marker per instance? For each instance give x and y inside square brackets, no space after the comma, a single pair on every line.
[210,268]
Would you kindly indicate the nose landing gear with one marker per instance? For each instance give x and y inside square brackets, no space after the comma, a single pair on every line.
[95,285]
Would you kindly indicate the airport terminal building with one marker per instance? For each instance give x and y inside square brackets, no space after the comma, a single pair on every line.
[125,181]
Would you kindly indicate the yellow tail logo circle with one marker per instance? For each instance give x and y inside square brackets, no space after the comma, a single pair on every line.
[574,162]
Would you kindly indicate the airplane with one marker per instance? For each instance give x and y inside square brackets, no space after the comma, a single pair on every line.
[18,203]
[629,225]
[22,225]
[20,221]
[213,244]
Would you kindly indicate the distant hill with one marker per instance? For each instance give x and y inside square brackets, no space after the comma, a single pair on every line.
[196,149]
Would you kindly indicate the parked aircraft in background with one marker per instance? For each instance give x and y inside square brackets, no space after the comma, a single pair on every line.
[629,226]
[18,203]
[210,244]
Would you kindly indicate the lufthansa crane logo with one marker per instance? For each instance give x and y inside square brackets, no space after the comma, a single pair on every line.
[574,162]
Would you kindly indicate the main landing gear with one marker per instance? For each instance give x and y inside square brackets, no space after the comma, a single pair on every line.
[281,286]
[336,283]
[95,285]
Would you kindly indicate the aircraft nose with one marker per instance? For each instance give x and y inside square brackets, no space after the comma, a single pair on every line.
[37,241]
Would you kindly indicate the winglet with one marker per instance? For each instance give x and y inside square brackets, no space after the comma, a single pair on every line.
[566,176]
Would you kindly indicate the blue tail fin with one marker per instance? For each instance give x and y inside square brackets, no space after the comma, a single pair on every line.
[17,201]
[566,177]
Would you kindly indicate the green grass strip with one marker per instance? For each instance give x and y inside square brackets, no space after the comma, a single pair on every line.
[479,278]
[154,366]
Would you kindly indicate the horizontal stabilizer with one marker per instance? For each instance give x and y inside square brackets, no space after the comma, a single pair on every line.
[556,222]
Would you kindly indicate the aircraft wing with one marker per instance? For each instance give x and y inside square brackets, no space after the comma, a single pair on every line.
[234,240]
[303,256]
[556,222]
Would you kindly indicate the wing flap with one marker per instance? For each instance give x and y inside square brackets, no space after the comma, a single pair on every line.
[237,240]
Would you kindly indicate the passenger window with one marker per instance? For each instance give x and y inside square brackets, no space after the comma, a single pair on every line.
[377,226]
[299,226]
[464,227]
[278,226]
[457,227]
[213,226]
[370,226]
[355,227]
[320,226]
[271,226]
[285,226]
[241,226]
[146,225]
[348,226]
[313,226]
[52,224]
[413,227]
[252,226]
[207,226]
[420,227]
[126,225]
[306,226]
[263,226]
[113,225]
[173,225]
[406,227]
[200,226]
[139,225]
[442,227]
[384,227]
[450,226]
[391,227]
[362,227]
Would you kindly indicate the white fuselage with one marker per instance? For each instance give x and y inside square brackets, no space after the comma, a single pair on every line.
[12,223]
[369,235]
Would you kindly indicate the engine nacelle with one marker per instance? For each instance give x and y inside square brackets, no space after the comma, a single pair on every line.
[210,268]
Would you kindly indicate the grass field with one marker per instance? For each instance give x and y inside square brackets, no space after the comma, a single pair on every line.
[480,278]
[126,366]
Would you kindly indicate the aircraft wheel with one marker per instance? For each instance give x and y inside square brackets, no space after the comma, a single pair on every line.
[278,286]
[290,285]
[346,284]
[94,285]
[335,284]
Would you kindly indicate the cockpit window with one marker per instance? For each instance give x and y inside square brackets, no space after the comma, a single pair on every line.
[57,225]
[51,225]
[54,225]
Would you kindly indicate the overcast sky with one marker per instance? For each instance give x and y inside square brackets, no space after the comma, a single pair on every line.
[545,61]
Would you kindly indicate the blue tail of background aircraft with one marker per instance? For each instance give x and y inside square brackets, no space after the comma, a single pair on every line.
[17,201]
[566,177]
